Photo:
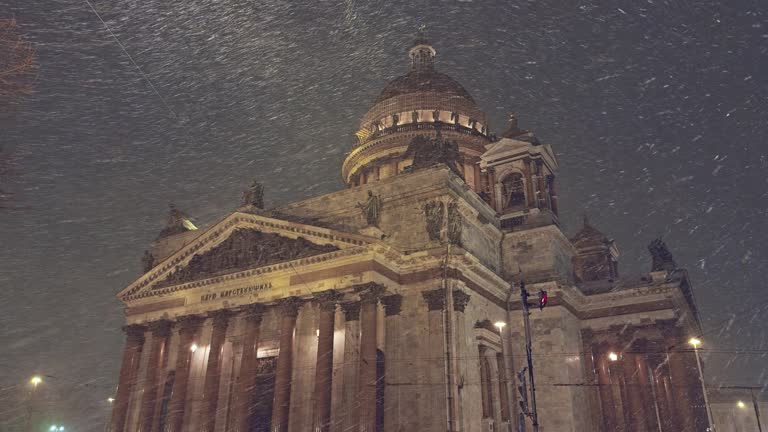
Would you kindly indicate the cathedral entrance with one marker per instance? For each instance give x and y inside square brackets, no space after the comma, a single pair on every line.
[261,408]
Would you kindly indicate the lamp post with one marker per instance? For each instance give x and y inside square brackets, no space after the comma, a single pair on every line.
[528,350]
[500,325]
[32,403]
[742,405]
[695,342]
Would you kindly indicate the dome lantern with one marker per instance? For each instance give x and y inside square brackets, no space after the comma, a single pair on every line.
[422,54]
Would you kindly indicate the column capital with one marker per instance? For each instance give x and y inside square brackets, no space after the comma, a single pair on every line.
[351,310]
[369,292]
[328,299]
[160,328]
[220,318]
[254,311]
[435,299]
[189,323]
[460,300]
[135,332]
[290,305]
[670,331]
[392,304]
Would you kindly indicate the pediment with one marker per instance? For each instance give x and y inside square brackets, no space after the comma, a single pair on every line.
[508,148]
[240,242]
[244,248]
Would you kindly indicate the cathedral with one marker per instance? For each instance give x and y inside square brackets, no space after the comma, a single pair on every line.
[395,304]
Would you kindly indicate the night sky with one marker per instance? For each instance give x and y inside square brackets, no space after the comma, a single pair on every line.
[656,109]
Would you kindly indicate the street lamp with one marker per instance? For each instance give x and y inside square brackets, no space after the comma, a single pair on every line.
[193,347]
[612,356]
[695,342]
[741,404]
[35,380]
[500,325]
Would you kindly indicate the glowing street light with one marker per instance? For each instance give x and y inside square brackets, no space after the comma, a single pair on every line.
[193,348]
[741,404]
[500,325]
[612,356]
[35,380]
[110,399]
[695,342]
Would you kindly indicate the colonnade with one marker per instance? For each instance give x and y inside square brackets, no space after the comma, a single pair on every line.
[648,389]
[361,321]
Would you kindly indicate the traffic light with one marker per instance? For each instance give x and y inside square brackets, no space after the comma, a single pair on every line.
[543,298]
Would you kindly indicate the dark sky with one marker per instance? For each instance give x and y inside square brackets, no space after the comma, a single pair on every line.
[656,109]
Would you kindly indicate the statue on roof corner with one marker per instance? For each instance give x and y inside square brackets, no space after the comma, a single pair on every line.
[662,258]
[371,209]
[147,261]
[178,222]
[254,195]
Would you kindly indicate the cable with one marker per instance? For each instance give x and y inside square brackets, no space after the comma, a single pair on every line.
[146,78]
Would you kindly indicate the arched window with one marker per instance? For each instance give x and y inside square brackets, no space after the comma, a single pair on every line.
[512,191]
[486,389]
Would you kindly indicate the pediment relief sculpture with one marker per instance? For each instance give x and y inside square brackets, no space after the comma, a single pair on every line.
[244,249]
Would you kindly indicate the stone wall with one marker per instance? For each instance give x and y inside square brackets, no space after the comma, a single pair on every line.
[540,254]
[403,220]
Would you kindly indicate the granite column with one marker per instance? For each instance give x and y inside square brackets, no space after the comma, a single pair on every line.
[188,328]
[130,366]
[605,386]
[392,307]
[245,387]
[351,366]
[289,310]
[213,369]
[324,369]
[369,299]
[160,332]
[635,410]
[436,362]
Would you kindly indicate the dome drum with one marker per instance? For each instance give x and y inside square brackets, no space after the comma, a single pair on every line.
[471,144]
[423,102]
[426,101]
[422,120]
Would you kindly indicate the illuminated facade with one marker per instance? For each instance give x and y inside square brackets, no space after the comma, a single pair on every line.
[372,308]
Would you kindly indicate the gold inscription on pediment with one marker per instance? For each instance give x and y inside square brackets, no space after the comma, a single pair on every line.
[236,292]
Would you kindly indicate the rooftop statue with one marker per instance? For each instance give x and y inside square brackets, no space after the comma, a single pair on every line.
[662,258]
[371,209]
[254,195]
[428,152]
